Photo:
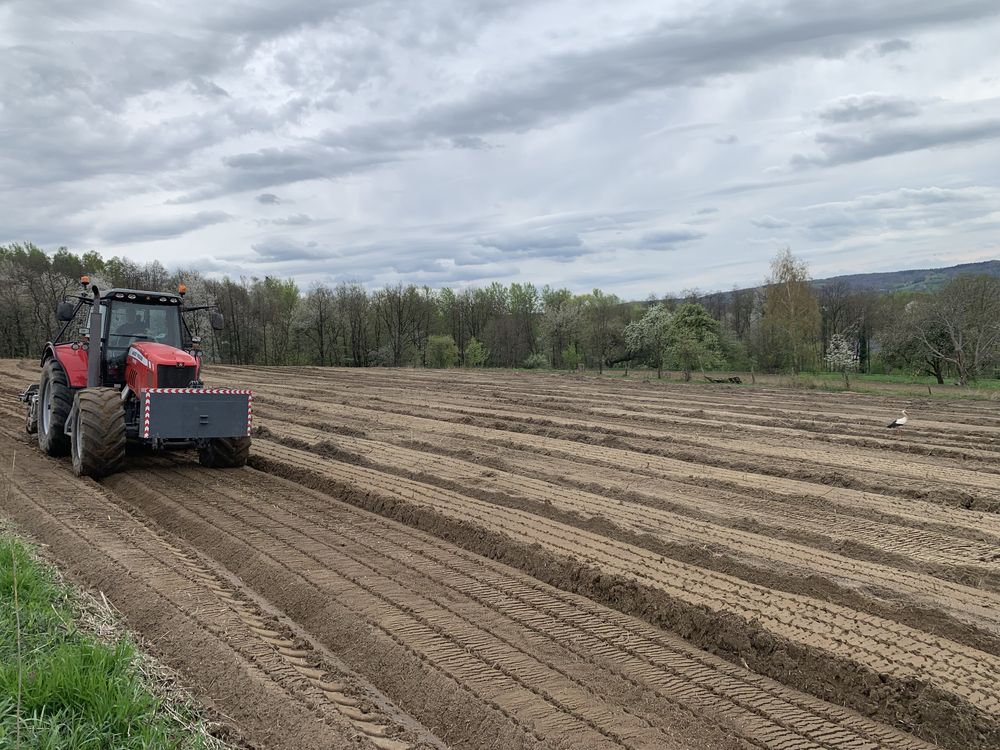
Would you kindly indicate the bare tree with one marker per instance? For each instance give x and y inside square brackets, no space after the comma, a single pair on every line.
[967,310]
[320,323]
[353,307]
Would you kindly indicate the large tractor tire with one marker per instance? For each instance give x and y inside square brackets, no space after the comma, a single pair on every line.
[55,401]
[98,439]
[224,453]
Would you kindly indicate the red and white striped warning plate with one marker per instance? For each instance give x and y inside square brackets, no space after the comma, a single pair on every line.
[225,391]
[199,390]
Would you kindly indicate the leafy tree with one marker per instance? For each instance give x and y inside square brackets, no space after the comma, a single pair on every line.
[442,351]
[571,357]
[790,327]
[693,339]
[841,357]
[561,323]
[475,353]
[599,315]
[647,337]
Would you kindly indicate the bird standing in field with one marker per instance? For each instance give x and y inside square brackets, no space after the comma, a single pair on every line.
[898,421]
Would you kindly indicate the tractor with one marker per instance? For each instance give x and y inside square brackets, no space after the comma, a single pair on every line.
[133,373]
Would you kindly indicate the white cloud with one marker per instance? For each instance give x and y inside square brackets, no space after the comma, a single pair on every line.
[403,140]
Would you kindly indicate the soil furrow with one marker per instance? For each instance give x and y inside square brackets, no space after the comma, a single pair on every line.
[882,646]
[977,607]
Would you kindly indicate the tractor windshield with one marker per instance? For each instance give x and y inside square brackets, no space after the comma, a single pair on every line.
[132,321]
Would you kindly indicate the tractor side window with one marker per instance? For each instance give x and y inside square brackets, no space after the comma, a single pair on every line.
[135,322]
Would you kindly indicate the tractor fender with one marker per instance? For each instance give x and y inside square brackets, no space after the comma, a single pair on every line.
[73,359]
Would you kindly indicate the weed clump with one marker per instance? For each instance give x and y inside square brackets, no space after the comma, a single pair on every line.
[60,686]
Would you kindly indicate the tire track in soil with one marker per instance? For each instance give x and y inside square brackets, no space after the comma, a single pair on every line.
[694,422]
[889,591]
[387,398]
[250,666]
[915,513]
[930,681]
[850,411]
[473,600]
[543,701]
[747,410]
[944,555]
[862,468]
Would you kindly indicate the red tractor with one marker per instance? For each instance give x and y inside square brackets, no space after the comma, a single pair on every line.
[133,373]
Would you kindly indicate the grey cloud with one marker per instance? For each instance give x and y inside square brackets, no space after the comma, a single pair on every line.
[671,54]
[846,149]
[207,89]
[727,140]
[430,132]
[706,211]
[918,197]
[770,222]
[431,270]
[667,239]
[867,107]
[293,220]
[889,46]
[282,166]
[909,209]
[754,186]
[283,249]
[145,230]
[551,245]
[471,142]
[674,53]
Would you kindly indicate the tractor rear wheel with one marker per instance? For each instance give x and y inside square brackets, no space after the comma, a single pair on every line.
[55,400]
[98,439]
[224,453]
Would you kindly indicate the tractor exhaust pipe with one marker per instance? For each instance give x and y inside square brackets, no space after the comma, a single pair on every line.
[94,346]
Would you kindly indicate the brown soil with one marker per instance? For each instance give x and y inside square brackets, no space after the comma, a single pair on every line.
[484,560]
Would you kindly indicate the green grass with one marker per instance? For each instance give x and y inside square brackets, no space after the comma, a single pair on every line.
[982,384]
[61,687]
[907,386]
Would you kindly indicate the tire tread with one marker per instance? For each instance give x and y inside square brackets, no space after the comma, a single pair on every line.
[101,417]
[224,453]
[55,442]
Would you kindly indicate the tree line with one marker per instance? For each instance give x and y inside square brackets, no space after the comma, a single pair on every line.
[785,325]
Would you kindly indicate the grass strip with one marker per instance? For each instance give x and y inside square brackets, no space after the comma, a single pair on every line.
[61,687]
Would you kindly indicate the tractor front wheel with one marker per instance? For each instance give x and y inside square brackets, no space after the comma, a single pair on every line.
[224,453]
[98,438]
[55,400]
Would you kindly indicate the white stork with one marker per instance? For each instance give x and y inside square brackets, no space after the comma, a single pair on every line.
[898,421]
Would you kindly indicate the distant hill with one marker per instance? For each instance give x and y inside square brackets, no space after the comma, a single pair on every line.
[915,280]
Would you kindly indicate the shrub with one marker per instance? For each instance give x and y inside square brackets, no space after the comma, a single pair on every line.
[571,358]
[476,353]
[441,351]
[536,361]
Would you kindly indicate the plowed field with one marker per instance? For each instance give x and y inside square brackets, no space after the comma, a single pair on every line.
[489,560]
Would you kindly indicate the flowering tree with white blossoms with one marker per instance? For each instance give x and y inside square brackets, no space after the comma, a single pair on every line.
[841,357]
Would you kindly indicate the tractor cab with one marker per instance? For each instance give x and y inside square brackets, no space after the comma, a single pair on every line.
[131,316]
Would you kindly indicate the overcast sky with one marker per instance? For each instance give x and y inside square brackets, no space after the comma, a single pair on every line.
[639,146]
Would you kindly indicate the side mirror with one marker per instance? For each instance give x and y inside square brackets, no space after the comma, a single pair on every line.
[218,322]
[65,311]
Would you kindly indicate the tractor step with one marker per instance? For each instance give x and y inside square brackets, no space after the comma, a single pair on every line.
[194,413]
